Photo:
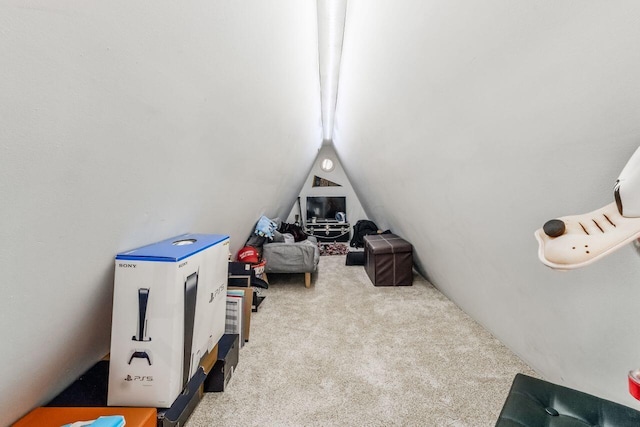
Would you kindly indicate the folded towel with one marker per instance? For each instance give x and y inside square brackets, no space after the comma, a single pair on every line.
[265,227]
[105,421]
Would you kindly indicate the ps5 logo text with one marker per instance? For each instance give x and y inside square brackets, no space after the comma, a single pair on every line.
[215,294]
[144,378]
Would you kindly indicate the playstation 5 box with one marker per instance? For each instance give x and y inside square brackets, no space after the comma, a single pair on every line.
[169,306]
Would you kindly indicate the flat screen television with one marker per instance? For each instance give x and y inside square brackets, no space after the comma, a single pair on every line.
[325,208]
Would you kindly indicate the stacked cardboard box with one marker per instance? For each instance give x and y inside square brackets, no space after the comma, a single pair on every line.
[168,313]
[168,318]
[228,357]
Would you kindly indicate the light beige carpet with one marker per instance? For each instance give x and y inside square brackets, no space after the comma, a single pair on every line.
[346,353]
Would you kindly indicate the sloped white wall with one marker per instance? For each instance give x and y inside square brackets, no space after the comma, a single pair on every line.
[355,212]
[464,126]
[123,123]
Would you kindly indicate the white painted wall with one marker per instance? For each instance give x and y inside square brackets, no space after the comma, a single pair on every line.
[123,123]
[464,126]
[355,212]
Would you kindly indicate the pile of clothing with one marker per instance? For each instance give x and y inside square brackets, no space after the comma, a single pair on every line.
[271,230]
[265,227]
[363,228]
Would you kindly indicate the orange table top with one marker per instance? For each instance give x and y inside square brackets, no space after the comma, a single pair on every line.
[56,417]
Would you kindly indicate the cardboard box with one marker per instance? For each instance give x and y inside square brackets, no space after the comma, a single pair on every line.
[234,315]
[228,357]
[187,401]
[209,360]
[56,417]
[169,305]
[242,275]
[246,310]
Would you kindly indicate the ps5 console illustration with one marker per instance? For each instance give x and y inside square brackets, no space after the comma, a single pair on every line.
[141,354]
[141,336]
[190,294]
[143,300]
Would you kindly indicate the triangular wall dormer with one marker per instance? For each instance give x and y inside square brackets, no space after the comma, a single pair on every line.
[330,183]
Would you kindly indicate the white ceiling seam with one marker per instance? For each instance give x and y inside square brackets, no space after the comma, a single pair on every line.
[331,22]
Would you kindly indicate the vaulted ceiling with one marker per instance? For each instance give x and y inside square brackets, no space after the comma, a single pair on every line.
[331,21]
[461,125]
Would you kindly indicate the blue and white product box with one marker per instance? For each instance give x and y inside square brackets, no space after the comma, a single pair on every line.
[169,306]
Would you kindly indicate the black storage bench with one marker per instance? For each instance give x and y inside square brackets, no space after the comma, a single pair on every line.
[533,403]
[388,260]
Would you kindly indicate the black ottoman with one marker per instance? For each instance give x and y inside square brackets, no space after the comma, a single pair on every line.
[388,260]
[535,403]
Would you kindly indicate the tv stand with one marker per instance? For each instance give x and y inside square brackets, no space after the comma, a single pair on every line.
[329,230]
[323,221]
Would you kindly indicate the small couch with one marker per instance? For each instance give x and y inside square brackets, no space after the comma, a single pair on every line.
[298,257]
[533,402]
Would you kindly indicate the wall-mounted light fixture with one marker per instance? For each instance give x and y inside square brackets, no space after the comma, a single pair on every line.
[327,165]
